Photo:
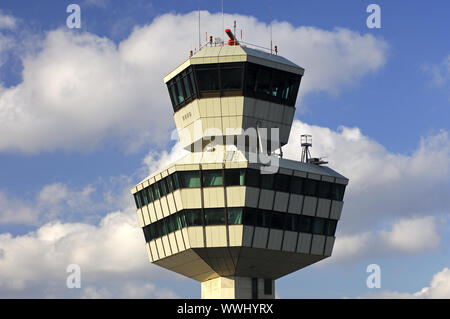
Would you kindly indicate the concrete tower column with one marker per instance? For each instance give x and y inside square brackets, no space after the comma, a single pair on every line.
[233,287]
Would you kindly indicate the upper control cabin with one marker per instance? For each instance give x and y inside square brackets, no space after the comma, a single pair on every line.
[234,87]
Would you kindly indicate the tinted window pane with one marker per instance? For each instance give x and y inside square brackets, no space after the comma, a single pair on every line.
[208,79]
[330,227]
[263,81]
[324,190]
[282,182]
[180,94]
[338,191]
[214,216]
[231,78]
[310,187]
[137,200]
[234,215]
[176,183]
[304,224]
[194,217]
[291,222]
[212,178]
[277,220]
[155,190]
[234,177]
[164,227]
[144,197]
[318,226]
[186,87]
[162,187]
[296,185]
[172,223]
[149,194]
[251,75]
[249,216]
[169,183]
[262,219]
[173,95]
[278,82]
[267,181]
[191,77]
[141,199]
[182,219]
[253,177]
[190,179]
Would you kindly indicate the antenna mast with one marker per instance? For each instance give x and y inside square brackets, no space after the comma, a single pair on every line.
[270,28]
[306,141]
[199,40]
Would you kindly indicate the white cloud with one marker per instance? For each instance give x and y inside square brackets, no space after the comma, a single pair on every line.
[406,236]
[439,289]
[111,255]
[81,89]
[13,211]
[440,73]
[7,21]
[412,235]
[383,185]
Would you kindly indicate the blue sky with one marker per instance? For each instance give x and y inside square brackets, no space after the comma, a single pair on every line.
[84,115]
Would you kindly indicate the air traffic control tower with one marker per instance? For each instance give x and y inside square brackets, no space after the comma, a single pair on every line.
[233,214]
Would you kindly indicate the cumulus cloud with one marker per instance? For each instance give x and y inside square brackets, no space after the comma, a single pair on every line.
[111,256]
[80,89]
[439,73]
[57,200]
[406,236]
[439,288]
[382,184]
[7,21]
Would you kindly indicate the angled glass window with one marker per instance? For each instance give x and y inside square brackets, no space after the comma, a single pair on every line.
[330,227]
[207,77]
[337,192]
[212,178]
[155,190]
[262,219]
[176,181]
[190,179]
[263,82]
[231,76]
[172,223]
[180,93]
[186,87]
[194,217]
[291,222]
[324,189]
[296,185]
[169,182]
[162,187]
[282,182]
[149,194]
[267,181]
[164,227]
[318,226]
[145,200]
[310,187]
[181,218]
[253,177]
[137,200]
[277,220]
[214,216]
[305,224]
[234,177]
[249,216]
[234,215]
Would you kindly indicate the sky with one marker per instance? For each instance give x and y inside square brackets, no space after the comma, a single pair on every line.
[85,115]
